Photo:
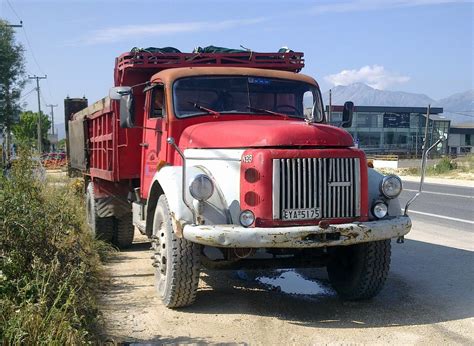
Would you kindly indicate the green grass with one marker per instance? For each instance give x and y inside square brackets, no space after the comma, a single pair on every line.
[50,266]
[460,168]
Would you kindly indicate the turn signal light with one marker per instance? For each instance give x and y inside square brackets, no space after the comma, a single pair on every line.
[252,175]
[252,198]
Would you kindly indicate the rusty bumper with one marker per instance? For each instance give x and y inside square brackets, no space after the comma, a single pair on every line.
[297,237]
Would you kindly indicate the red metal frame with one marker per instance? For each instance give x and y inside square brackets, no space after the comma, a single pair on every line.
[142,65]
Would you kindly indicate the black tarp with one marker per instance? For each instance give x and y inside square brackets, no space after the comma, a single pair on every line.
[155,50]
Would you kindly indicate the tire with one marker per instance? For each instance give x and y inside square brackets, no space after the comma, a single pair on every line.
[176,261]
[123,231]
[359,271]
[100,227]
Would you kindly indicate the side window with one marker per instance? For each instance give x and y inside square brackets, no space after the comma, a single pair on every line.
[158,103]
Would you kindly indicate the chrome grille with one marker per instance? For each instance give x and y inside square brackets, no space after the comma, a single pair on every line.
[330,184]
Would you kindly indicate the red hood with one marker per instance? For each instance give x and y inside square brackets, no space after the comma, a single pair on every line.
[263,133]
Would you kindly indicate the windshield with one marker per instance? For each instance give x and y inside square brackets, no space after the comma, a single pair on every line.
[250,95]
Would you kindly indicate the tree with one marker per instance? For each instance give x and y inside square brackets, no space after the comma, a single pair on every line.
[62,144]
[12,78]
[26,130]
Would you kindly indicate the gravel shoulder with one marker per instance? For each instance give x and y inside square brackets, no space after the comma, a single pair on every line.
[428,299]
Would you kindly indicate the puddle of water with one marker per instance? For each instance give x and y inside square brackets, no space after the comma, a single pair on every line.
[291,282]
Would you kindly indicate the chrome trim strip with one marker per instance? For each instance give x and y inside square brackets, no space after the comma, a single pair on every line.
[357,186]
[304,172]
[276,189]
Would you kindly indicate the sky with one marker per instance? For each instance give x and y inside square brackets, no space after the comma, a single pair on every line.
[421,46]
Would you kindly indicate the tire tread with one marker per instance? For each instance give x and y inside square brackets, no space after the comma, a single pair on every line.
[374,265]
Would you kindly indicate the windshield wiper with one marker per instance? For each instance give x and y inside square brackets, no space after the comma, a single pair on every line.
[267,111]
[202,108]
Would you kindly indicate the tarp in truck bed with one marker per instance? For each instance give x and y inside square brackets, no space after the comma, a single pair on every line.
[155,50]
[208,49]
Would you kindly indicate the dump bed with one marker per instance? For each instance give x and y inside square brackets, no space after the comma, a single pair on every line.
[110,152]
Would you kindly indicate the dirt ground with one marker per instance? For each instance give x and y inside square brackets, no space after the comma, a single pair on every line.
[428,299]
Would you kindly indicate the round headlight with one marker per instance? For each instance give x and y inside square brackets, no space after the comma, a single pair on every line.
[391,186]
[202,187]
[247,218]
[379,210]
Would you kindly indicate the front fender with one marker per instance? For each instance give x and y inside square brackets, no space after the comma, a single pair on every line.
[375,179]
[212,211]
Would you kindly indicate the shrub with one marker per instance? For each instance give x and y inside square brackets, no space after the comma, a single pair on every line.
[49,265]
[444,165]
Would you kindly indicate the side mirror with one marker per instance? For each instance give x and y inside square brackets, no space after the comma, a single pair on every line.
[127,111]
[347,114]
[116,93]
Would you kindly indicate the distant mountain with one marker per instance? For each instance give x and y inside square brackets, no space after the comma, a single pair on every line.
[364,95]
[460,102]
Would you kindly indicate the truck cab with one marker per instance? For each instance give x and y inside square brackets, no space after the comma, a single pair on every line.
[238,168]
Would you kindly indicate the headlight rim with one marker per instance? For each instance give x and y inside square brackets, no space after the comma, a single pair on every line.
[246,211]
[384,180]
[190,187]
[376,203]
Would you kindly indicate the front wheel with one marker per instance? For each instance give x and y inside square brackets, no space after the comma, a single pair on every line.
[359,271]
[176,261]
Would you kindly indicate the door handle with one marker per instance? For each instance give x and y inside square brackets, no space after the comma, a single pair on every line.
[144,145]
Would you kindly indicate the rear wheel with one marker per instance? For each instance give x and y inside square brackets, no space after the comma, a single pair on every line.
[359,271]
[101,227]
[176,261]
[124,231]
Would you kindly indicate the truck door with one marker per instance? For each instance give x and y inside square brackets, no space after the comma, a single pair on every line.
[152,153]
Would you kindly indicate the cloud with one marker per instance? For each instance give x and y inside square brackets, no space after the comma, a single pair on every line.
[375,76]
[365,5]
[120,33]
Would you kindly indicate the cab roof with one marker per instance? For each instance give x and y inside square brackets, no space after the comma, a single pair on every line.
[170,75]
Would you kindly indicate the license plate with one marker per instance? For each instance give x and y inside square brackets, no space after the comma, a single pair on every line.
[301,214]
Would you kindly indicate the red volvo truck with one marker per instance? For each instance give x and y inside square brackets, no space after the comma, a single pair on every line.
[226,160]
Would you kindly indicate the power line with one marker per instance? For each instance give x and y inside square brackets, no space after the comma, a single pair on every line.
[28,43]
[27,94]
[32,52]
[461,113]
[42,97]
[13,10]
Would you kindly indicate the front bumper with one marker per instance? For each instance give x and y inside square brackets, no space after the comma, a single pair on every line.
[234,236]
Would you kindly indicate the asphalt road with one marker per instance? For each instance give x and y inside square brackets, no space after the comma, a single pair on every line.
[441,205]
[428,297]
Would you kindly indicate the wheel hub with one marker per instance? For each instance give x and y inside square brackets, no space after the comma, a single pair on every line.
[159,252]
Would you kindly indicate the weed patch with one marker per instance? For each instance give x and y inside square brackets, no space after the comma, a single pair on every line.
[49,264]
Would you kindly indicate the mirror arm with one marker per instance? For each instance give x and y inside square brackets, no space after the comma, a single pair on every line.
[172,142]
[422,178]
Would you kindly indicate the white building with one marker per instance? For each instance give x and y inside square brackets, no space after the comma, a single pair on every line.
[461,139]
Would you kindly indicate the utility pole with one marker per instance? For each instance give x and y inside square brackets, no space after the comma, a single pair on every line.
[53,140]
[52,117]
[39,109]
[330,107]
